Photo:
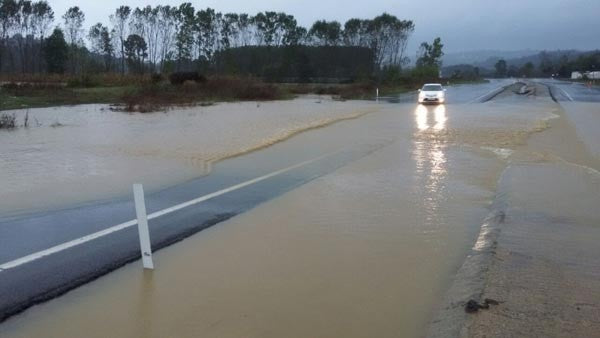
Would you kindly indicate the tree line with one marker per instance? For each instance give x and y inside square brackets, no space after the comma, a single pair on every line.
[549,64]
[174,38]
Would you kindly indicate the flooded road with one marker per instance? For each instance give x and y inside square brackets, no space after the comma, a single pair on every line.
[101,152]
[353,253]
[368,247]
[545,265]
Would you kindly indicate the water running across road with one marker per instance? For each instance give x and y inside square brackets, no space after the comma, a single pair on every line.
[367,249]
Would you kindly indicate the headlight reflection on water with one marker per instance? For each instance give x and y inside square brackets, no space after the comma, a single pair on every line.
[430,157]
[440,117]
[422,116]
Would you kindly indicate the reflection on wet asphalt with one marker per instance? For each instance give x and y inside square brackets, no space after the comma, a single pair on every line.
[566,91]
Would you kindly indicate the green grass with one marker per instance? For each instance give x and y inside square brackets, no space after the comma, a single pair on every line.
[46,97]
[143,97]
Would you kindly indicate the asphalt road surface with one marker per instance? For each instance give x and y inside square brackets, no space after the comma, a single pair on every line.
[572,91]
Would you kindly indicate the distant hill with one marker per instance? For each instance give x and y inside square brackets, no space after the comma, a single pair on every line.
[534,58]
[484,61]
[462,72]
[483,57]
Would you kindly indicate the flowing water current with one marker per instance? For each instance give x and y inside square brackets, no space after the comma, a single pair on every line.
[366,250]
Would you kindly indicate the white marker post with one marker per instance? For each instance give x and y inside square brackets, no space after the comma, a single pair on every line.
[142,221]
[377,94]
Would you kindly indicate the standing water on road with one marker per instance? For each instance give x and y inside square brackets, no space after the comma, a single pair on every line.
[366,250]
[101,152]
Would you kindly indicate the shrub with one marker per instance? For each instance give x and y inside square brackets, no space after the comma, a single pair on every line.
[240,88]
[156,78]
[10,86]
[179,78]
[189,86]
[8,121]
[426,73]
[83,81]
[158,97]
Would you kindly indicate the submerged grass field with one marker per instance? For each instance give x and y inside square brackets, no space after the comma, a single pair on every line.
[143,94]
[37,98]
[131,93]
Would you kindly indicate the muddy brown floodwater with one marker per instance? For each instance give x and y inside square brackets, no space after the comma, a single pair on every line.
[368,250]
[101,152]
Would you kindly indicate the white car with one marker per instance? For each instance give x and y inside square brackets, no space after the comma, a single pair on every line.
[432,93]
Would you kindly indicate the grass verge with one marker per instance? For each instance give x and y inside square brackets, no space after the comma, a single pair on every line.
[26,96]
[141,94]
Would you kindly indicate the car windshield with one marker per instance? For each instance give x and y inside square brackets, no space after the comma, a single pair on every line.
[432,88]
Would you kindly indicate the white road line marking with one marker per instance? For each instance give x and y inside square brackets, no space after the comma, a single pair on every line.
[566,94]
[58,248]
[484,95]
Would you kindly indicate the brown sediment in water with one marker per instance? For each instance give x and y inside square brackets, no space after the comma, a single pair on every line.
[547,269]
[545,264]
[367,250]
[506,125]
[540,259]
[291,133]
[104,152]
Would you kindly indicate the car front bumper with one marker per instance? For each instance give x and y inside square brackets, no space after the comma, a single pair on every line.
[432,100]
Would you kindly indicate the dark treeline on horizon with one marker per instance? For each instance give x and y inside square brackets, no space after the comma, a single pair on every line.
[556,64]
[34,39]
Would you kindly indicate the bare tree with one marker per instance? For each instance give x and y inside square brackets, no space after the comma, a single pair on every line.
[167,26]
[145,22]
[184,37]
[101,41]
[244,28]
[43,17]
[120,21]
[386,35]
[23,29]
[229,33]
[8,14]
[73,22]
[207,32]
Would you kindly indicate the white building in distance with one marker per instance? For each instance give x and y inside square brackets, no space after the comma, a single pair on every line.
[588,75]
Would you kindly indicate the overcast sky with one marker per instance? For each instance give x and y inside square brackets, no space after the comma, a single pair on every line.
[463,25]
